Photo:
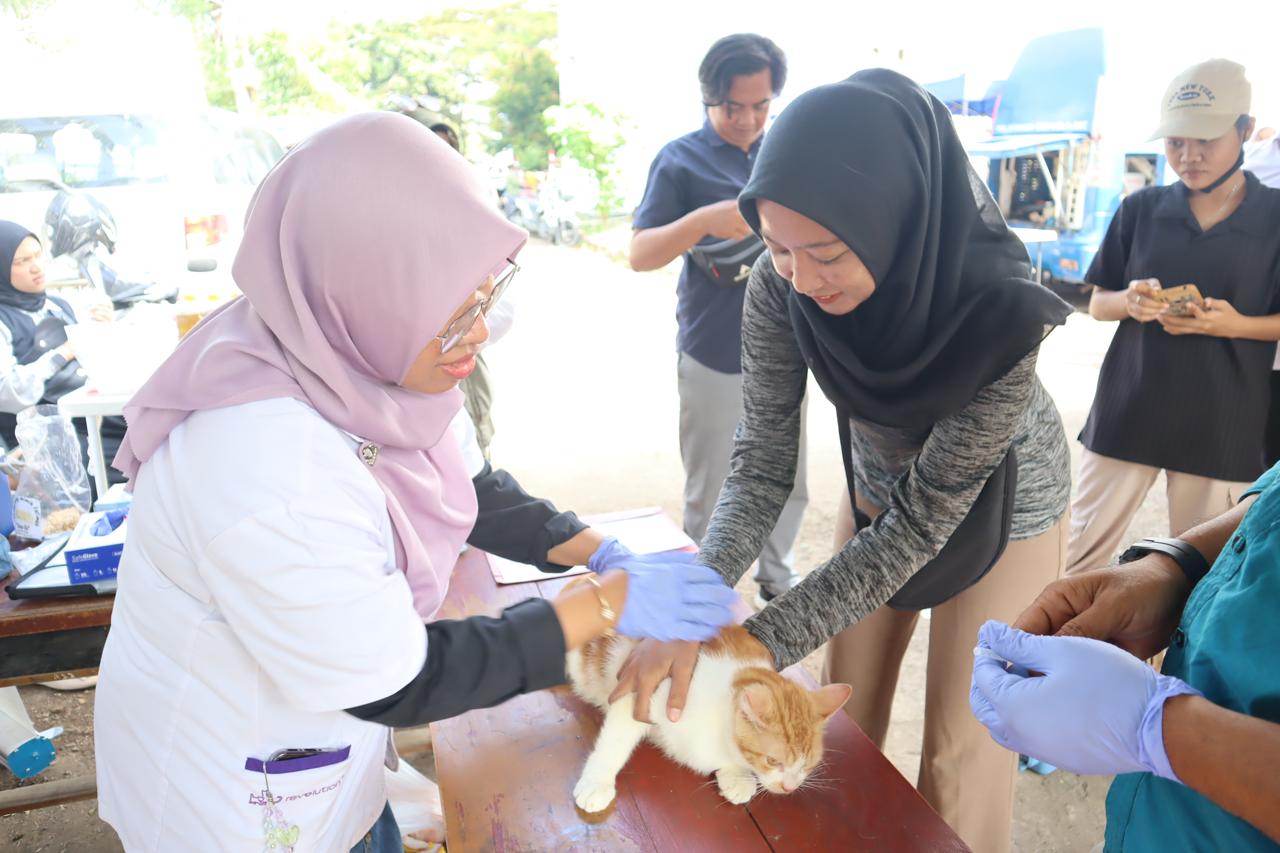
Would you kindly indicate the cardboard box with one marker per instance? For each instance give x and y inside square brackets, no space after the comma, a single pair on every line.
[116,497]
[93,557]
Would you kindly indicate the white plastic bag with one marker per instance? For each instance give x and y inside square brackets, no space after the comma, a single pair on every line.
[53,489]
[415,801]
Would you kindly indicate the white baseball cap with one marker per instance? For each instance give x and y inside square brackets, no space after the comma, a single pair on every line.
[1204,101]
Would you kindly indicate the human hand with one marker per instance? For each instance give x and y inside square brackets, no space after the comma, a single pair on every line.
[1217,319]
[651,662]
[670,596]
[102,312]
[724,220]
[1140,300]
[1135,606]
[1096,709]
[66,351]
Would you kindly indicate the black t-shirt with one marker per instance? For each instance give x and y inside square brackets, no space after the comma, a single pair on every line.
[1188,403]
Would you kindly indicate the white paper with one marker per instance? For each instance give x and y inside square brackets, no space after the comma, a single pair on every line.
[644,531]
[646,534]
[49,576]
[509,571]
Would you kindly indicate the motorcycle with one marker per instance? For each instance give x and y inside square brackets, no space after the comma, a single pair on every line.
[546,215]
[82,228]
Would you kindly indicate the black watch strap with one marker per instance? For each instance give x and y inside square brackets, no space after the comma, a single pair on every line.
[1186,555]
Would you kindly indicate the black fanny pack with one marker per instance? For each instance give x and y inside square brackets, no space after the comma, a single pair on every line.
[971,551]
[727,262]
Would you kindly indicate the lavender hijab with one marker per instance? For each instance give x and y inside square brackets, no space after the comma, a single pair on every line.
[358,248]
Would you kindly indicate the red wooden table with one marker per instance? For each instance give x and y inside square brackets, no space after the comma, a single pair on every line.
[507,775]
[43,640]
[48,638]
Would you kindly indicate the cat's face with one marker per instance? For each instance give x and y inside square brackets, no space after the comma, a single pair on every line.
[778,726]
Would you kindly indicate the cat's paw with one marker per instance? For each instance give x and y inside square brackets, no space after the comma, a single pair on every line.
[735,786]
[594,795]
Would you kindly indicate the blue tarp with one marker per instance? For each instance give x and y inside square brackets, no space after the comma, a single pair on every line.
[947,91]
[1054,85]
[1021,144]
[952,93]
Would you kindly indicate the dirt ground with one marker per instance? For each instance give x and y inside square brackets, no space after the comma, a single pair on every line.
[586,414]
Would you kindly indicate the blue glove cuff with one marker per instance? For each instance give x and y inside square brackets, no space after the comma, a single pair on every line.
[1151,751]
[607,555]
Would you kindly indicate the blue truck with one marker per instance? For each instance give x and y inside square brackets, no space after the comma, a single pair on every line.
[1067,143]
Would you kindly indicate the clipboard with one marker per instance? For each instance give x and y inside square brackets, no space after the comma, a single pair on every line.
[49,578]
[52,580]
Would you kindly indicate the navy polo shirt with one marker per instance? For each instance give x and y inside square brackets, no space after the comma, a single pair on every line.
[691,172]
[1188,403]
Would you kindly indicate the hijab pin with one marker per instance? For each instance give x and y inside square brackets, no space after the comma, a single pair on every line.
[368,453]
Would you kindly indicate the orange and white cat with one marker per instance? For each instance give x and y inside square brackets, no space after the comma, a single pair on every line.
[742,721]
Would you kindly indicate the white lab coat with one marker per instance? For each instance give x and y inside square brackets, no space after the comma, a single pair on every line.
[258,598]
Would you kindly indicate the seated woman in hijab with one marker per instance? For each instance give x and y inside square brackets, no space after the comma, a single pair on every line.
[891,277]
[299,505]
[37,365]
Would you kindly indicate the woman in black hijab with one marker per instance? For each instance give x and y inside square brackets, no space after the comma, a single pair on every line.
[37,365]
[892,278]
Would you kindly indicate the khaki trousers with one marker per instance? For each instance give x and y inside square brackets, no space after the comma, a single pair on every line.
[1110,491]
[965,775]
[710,408]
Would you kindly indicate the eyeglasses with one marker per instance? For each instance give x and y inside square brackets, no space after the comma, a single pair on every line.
[462,326]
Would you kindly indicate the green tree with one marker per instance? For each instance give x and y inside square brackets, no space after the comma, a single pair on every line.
[528,83]
[23,8]
[206,24]
[591,138]
[458,57]
[284,86]
[383,58]
[451,57]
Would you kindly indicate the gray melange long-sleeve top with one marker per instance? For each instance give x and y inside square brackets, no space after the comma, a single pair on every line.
[925,481]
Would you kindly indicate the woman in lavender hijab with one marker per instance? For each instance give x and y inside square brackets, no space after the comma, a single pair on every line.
[299,504]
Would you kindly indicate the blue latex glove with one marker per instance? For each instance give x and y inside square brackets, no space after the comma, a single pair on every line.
[669,596]
[1096,709]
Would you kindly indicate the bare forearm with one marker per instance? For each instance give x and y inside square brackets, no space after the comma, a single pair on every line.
[1108,304]
[1257,328]
[1228,757]
[654,248]
[578,608]
[576,551]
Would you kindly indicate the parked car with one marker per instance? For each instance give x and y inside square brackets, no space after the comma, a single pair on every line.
[177,185]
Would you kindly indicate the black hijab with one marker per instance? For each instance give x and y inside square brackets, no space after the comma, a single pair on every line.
[875,159]
[11,236]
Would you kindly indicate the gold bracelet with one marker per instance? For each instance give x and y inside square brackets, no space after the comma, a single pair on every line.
[607,613]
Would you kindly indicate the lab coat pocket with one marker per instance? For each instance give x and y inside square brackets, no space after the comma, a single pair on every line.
[294,793]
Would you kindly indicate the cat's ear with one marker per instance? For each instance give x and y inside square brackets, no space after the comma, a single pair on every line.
[827,700]
[755,702]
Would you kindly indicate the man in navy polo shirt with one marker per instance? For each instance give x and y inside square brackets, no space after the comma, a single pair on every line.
[691,201]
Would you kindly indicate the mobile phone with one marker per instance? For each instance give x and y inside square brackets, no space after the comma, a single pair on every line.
[291,753]
[1179,298]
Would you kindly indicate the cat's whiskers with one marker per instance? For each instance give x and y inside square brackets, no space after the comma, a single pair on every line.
[706,784]
[818,784]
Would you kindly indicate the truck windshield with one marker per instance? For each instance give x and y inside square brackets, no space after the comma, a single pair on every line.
[80,151]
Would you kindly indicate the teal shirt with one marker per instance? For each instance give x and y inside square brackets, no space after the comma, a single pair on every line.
[1228,647]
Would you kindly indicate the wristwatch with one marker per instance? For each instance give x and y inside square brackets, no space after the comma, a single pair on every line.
[1186,555]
